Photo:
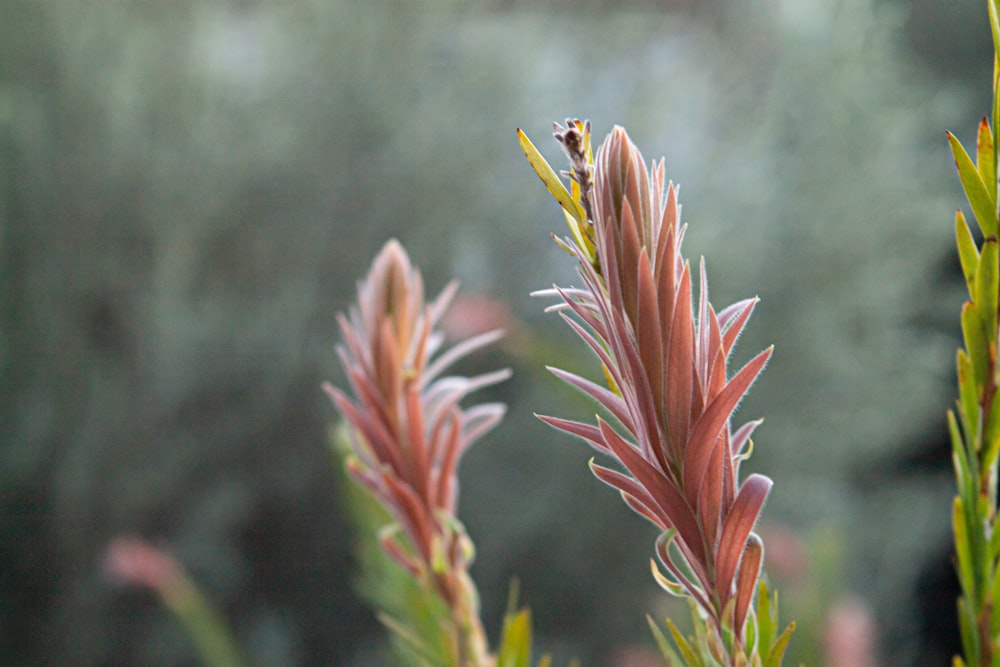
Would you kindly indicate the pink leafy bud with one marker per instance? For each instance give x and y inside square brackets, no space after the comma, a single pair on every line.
[664,357]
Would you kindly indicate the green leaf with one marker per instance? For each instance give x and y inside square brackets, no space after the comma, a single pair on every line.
[777,652]
[550,178]
[515,642]
[968,400]
[967,630]
[983,206]
[690,657]
[995,29]
[967,480]
[975,345]
[765,618]
[208,630]
[409,639]
[986,290]
[991,434]
[986,158]
[668,652]
[994,592]
[582,239]
[968,254]
[964,549]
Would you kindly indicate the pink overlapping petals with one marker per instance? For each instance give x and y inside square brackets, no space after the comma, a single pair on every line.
[669,387]
[407,428]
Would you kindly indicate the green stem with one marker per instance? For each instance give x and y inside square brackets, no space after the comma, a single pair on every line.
[206,627]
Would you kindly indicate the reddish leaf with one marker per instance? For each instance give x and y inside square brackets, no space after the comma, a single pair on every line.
[733,319]
[648,335]
[668,499]
[591,434]
[637,497]
[679,365]
[614,403]
[706,430]
[749,574]
[736,530]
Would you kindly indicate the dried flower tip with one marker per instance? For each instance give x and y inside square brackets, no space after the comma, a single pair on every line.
[575,142]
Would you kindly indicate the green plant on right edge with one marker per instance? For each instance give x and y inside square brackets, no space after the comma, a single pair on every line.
[975,422]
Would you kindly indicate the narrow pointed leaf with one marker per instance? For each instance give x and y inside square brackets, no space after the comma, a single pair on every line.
[666,583]
[736,530]
[611,401]
[746,583]
[964,474]
[983,206]
[766,626]
[515,642]
[968,393]
[968,631]
[985,157]
[963,549]
[991,435]
[975,344]
[648,335]
[733,321]
[690,657]
[968,254]
[582,241]
[550,178]
[590,433]
[708,426]
[777,652]
[986,289]
[635,495]
[679,364]
[668,498]
[666,650]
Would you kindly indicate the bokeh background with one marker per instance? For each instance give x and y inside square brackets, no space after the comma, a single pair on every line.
[189,190]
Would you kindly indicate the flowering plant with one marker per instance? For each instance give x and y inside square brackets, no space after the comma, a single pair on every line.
[667,385]
[407,433]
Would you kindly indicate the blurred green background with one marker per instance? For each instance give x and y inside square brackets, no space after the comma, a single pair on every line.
[189,190]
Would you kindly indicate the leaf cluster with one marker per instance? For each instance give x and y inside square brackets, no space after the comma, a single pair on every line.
[975,423]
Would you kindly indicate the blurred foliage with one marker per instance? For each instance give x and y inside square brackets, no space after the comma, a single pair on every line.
[189,190]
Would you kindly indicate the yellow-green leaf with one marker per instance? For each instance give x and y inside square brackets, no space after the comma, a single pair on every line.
[986,289]
[777,652]
[975,344]
[991,434]
[994,25]
[968,399]
[968,254]
[690,657]
[669,655]
[515,643]
[968,630]
[582,239]
[963,549]
[550,178]
[983,206]
[986,158]
[966,477]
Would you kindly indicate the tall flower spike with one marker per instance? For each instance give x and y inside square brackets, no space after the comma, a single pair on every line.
[668,385]
[408,432]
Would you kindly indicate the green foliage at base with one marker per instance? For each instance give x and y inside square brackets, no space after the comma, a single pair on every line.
[412,612]
[765,646]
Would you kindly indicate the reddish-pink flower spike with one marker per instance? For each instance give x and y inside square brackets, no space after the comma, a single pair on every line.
[668,382]
[407,428]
